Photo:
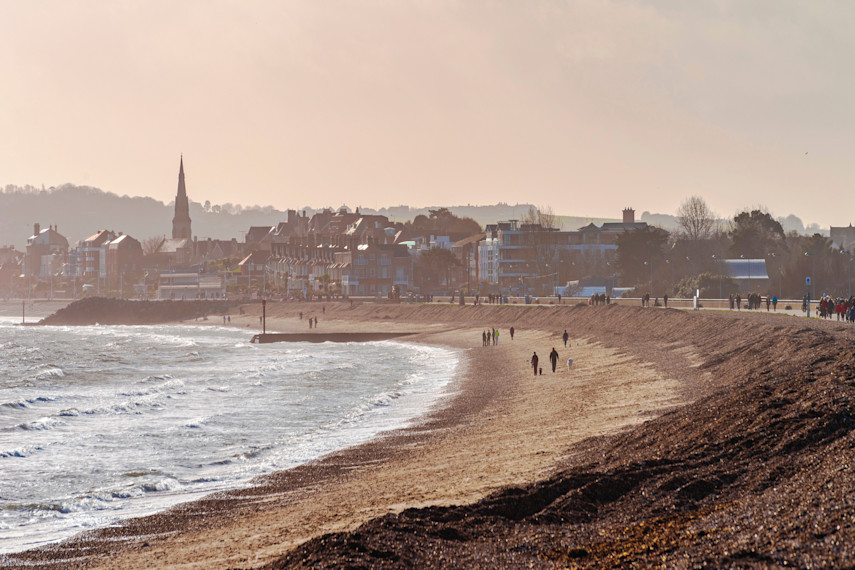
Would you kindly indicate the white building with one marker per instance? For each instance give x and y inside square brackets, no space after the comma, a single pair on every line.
[190,286]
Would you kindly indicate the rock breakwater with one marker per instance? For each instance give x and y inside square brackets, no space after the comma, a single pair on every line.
[107,311]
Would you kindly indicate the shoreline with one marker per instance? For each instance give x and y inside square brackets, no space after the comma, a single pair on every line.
[388,408]
[504,429]
[429,463]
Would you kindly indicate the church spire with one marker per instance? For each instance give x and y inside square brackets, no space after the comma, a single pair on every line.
[181,221]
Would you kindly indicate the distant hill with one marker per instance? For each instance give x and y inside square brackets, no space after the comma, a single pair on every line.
[80,211]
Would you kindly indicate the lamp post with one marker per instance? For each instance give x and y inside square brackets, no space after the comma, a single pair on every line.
[720,293]
[671,265]
[780,276]
[650,264]
[812,272]
[849,264]
[812,279]
[850,275]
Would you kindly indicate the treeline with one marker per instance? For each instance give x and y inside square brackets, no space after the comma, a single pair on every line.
[693,256]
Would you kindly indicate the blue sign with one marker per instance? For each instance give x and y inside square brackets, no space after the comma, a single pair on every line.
[807,280]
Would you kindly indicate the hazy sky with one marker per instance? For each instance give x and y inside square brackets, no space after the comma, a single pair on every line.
[587,106]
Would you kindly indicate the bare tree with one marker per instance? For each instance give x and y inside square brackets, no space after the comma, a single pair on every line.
[696,219]
[541,236]
[543,215]
[150,245]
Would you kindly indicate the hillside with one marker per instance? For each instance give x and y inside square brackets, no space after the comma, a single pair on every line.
[80,211]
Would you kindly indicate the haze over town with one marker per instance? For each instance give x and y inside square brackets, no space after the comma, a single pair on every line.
[584,106]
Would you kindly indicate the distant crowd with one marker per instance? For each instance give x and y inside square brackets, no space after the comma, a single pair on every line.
[843,309]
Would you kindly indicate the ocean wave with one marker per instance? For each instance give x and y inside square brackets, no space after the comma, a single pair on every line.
[25,451]
[42,399]
[168,385]
[157,378]
[167,484]
[19,405]
[41,424]
[50,372]
[196,423]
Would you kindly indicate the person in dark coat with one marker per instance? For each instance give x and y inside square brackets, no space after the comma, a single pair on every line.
[565,336]
[534,361]
[553,358]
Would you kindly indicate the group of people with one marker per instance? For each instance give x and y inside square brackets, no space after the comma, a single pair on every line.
[599,299]
[844,309]
[553,357]
[314,320]
[491,337]
[754,301]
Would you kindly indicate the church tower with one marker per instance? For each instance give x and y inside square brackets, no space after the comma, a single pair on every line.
[181,221]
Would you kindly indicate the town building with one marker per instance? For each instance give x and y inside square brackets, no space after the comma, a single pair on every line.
[47,252]
[124,261]
[529,258]
[182,285]
[843,238]
[749,275]
[11,262]
[90,256]
[376,270]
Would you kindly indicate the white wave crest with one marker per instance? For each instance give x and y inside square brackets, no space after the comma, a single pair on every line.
[50,372]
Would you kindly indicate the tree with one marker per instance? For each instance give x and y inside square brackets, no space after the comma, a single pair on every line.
[754,234]
[542,216]
[710,285]
[696,219]
[432,268]
[150,245]
[641,255]
[443,222]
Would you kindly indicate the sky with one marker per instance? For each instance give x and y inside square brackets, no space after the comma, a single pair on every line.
[584,106]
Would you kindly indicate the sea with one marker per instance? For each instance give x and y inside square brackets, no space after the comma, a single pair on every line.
[103,423]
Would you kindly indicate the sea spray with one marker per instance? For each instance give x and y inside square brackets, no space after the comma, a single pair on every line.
[103,423]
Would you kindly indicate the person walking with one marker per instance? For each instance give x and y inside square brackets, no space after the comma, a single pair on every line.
[534,361]
[565,336]
[496,337]
[553,358]
[512,333]
[483,338]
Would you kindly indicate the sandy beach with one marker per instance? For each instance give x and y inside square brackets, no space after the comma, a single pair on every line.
[500,426]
